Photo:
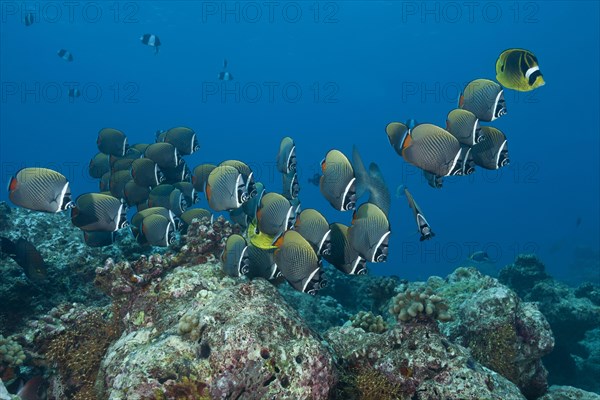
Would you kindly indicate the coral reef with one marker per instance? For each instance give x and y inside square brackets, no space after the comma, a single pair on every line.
[418,304]
[522,275]
[568,393]
[215,337]
[503,333]
[411,361]
[590,291]
[202,240]
[571,314]
[319,312]
[369,322]
[71,265]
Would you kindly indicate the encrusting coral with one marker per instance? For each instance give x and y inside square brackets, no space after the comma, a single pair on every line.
[369,322]
[11,357]
[415,304]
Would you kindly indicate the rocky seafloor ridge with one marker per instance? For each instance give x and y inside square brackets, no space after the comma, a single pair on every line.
[126,322]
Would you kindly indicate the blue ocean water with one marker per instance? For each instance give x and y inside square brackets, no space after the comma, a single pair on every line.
[330,75]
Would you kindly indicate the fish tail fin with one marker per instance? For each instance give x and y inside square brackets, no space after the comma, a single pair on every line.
[360,172]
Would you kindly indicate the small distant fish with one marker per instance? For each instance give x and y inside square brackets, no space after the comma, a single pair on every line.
[74,92]
[27,256]
[422,224]
[578,222]
[518,69]
[479,256]
[484,98]
[40,189]
[225,76]
[65,55]
[29,19]
[314,179]
[151,40]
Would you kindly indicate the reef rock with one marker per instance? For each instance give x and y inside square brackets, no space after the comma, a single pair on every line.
[503,333]
[199,335]
[412,361]
[568,393]
[571,314]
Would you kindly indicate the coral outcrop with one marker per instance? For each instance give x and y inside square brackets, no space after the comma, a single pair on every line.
[503,333]
[210,336]
[571,314]
[568,393]
[411,361]
[11,357]
[419,303]
[369,322]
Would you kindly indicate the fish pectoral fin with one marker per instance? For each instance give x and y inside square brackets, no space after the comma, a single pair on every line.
[83,220]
